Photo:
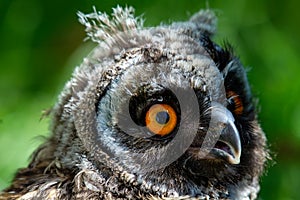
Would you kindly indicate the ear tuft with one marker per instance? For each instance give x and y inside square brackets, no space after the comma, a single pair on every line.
[205,21]
[100,26]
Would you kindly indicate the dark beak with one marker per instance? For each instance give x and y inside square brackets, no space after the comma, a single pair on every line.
[225,136]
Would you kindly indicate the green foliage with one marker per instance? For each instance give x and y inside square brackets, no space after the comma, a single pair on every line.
[41,42]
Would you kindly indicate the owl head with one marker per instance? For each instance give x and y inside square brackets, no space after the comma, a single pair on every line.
[159,111]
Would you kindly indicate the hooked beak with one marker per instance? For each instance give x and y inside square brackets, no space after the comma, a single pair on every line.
[222,130]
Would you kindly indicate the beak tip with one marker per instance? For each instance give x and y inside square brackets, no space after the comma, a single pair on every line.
[235,157]
[234,160]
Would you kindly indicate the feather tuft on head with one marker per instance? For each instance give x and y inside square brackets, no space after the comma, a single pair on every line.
[100,26]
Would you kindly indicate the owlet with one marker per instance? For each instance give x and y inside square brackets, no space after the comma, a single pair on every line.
[151,113]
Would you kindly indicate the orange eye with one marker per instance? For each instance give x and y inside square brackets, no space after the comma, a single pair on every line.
[161,119]
[238,104]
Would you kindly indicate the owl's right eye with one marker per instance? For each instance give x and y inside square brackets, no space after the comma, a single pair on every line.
[156,111]
[161,119]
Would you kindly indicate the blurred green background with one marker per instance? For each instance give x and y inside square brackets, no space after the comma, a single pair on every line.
[41,42]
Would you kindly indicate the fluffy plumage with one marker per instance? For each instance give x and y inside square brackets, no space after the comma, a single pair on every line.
[101,146]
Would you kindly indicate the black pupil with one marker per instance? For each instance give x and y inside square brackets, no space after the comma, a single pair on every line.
[231,105]
[162,117]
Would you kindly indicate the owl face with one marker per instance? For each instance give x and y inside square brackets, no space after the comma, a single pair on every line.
[167,109]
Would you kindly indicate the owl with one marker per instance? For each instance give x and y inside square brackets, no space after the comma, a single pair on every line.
[151,113]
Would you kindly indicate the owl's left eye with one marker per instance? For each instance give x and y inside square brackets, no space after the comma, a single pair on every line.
[161,119]
[235,102]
